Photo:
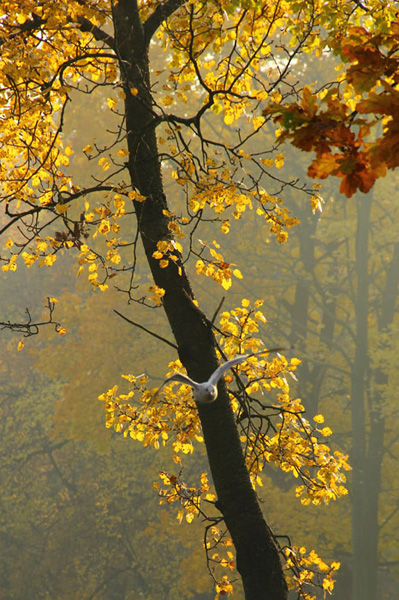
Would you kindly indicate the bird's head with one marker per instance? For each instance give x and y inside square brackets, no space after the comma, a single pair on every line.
[205,393]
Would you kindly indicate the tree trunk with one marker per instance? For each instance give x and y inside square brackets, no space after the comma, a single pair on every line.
[367,454]
[359,374]
[257,557]
[375,451]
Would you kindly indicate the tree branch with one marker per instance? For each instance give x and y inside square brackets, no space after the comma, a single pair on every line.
[29,328]
[98,34]
[160,14]
[155,335]
[360,5]
[85,24]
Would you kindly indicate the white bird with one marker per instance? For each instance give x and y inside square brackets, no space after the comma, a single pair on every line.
[207,392]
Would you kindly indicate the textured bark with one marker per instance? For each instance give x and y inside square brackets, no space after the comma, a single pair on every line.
[257,557]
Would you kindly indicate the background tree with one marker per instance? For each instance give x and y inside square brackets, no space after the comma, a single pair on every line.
[78,509]
[352,150]
[326,334]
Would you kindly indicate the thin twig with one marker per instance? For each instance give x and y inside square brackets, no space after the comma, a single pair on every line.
[29,328]
[155,335]
[217,310]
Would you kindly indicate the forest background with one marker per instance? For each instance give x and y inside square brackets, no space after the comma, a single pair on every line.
[80,517]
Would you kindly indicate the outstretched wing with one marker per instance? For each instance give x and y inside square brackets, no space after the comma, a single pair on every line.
[181,378]
[175,377]
[216,375]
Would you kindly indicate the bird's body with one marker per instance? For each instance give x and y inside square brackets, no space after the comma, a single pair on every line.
[203,393]
[207,392]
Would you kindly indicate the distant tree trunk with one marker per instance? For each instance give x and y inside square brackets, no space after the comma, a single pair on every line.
[300,306]
[257,557]
[375,451]
[359,374]
[312,375]
[343,584]
[367,450]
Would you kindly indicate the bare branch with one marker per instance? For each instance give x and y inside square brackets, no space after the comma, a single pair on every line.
[155,335]
[217,310]
[30,328]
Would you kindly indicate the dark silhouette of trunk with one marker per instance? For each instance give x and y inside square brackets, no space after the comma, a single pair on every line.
[258,560]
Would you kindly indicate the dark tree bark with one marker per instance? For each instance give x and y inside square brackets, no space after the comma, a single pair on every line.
[258,560]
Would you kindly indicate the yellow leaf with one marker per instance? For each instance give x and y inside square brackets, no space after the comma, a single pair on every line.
[282,237]
[20,346]
[49,260]
[258,122]
[111,103]
[279,160]
[276,97]
[41,246]
[64,160]
[225,228]
[326,431]
[261,95]
[104,227]
[315,204]
[61,208]
[226,284]
[268,162]
[29,259]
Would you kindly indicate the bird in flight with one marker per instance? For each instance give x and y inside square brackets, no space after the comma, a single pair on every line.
[207,392]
